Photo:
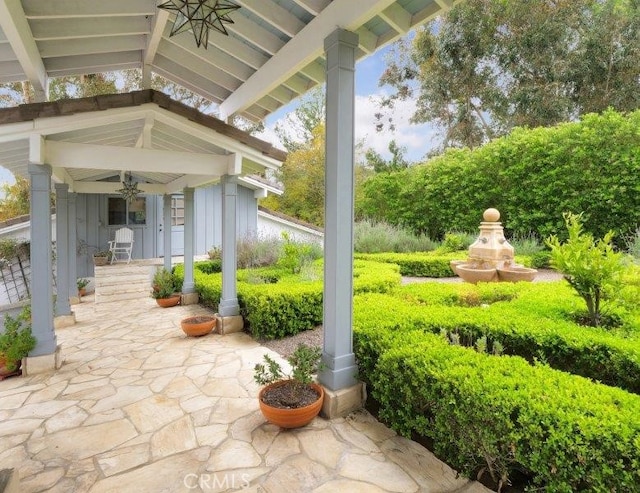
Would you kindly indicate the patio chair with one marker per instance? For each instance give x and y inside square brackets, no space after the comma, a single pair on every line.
[122,244]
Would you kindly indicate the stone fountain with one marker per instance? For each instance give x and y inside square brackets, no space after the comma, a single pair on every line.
[491,257]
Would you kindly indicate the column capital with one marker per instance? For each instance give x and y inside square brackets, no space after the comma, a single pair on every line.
[39,169]
[61,187]
[341,36]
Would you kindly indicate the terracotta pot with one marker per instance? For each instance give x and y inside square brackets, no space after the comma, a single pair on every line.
[172,300]
[4,371]
[82,292]
[198,326]
[291,418]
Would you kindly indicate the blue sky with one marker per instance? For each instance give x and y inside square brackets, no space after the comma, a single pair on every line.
[417,139]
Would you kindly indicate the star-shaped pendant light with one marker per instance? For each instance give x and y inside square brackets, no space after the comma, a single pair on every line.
[129,190]
[199,16]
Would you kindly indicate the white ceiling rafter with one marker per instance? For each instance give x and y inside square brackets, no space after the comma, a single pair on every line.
[397,17]
[302,50]
[68,155]
[16,28]
[274,14]
[313,6]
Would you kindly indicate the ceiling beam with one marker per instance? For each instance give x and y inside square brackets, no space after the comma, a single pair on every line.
[302,50]
[91,46]
[255,34]
[111,187]
[157,28]
[16,28]
[53,10]
[67,155]
[44,29]
[397,17]
[313,6]
[195,83]
[274,14]
[190,181]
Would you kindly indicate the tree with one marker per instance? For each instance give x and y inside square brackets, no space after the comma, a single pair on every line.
[298,127]
[379,164]
[302,176]
[591,267]
[16,199]
[490,65]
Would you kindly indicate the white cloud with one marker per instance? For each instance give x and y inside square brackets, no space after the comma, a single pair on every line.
[418,139]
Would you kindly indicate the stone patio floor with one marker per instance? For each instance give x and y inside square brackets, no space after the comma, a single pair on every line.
[137,406]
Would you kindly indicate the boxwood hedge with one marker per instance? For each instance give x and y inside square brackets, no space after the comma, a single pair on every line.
[534,321]
[562,431]
[282,304]
[426,264]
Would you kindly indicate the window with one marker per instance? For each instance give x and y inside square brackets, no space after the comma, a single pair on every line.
[123,213]
[177,211]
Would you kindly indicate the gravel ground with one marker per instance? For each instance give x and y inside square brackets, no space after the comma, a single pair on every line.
[314,337]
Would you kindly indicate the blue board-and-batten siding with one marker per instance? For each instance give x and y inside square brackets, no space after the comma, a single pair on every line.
[94,232]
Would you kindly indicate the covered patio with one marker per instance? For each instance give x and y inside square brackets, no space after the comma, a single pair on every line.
[272,52]
[139,407]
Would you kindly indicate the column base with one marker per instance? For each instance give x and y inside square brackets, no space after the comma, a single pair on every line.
[32,365]
[62,321]
[189,299]
[339,403]
[229,325]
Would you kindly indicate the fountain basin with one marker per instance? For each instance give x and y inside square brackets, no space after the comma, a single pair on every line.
[515,274]
[454,265]
[475,275]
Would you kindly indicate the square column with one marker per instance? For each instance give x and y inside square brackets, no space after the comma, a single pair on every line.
[63,281]
[188,286]
[41,270]
[166,212]
[73,248]
[229,306]
[340,47]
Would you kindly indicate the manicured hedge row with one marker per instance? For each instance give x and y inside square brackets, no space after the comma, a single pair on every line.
[562,431]
[287,304]
[426,264]
[536,324]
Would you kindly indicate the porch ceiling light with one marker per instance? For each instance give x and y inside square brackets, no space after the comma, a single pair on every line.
[199,16]
[129,190]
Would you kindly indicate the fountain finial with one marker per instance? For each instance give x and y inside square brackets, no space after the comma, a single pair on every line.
[491,215]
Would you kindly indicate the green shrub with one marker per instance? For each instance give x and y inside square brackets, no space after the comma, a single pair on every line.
[290,305]
[379,237]
[632,242]
[455,242]
[528,244]
[532,176]
[535,321]
[592,268]
[209,266]
[16,339]
[499,414]
[258,251]
[427,264]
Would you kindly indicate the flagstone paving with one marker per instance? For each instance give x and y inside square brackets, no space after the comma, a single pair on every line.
[137,406]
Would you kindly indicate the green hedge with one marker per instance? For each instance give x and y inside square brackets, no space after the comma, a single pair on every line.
[529,320]
[283,304]
[562,431]
[532,176]
[426,264]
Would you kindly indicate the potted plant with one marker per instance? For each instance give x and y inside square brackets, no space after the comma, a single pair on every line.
[290,401]
[197,326]
[15,342]
[102,258]
[164,291]
[82,285]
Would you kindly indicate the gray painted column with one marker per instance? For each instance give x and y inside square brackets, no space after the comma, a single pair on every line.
[229,306]
[41,275]
[166,212]
[338,354]
[73,245]
[63,281]
[188,286]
